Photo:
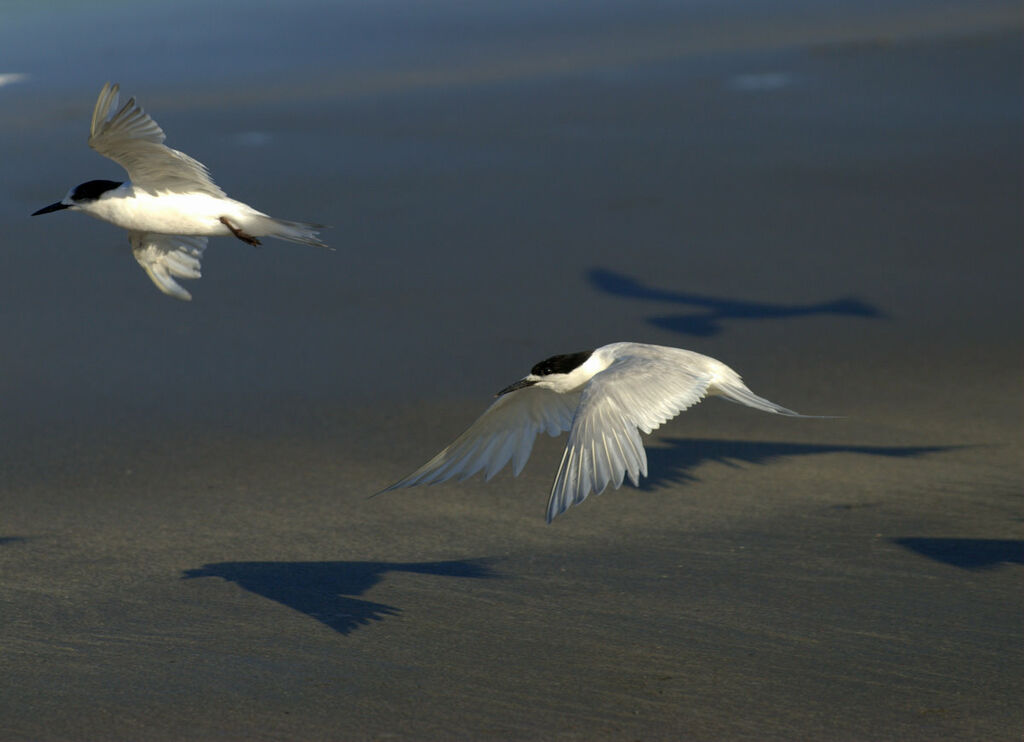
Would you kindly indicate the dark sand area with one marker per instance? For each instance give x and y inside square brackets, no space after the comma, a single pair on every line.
[830,204]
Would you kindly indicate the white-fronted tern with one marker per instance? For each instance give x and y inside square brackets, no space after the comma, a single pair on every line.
[602,397]
[170,204]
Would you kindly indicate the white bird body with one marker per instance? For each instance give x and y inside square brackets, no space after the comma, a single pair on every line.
[170,205]
[604,398]
[167,212]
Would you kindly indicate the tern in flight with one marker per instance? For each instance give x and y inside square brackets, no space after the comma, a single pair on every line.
[604,398]
[170,204]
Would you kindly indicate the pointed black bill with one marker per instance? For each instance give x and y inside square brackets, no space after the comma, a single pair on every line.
[518,385]
[52,207]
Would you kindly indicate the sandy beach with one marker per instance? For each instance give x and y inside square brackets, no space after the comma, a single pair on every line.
[829,202]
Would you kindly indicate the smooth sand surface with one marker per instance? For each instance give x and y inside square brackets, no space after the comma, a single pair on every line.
[187,545]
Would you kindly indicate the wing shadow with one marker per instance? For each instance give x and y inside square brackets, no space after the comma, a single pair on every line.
[325,590]
[672,464]
[711,311]
[967,553]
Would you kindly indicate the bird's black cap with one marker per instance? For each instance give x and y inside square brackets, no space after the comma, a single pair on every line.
[90,190]
[93,189]
[563,364]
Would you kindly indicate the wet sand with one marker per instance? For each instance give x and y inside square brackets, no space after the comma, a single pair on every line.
[188,549]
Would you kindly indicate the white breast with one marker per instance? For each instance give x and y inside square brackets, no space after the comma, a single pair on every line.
[166,213]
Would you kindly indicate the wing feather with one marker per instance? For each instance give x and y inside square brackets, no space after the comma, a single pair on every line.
[639,391]
[506,431]
[165,257]
[135,141]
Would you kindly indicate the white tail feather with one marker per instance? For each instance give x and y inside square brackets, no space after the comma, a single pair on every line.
[301,232]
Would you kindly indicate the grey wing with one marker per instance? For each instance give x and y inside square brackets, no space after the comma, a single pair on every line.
[506,431]
[165,257]
[633,394]
[135,141]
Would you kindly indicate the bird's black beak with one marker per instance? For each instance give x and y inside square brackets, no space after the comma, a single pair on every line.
[518,385]
[52,207]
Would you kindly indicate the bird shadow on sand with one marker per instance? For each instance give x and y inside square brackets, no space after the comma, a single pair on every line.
[673,462]
[710,312]
[967,553]
[326,590]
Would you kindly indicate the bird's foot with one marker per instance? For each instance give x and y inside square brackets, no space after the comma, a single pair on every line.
[243,236]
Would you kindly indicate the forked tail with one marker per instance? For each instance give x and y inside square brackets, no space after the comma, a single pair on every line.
[293,231]
[736,391]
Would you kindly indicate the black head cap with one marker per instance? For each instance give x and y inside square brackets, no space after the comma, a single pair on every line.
[561,364]
[88,191]
[93,189]
[554,365]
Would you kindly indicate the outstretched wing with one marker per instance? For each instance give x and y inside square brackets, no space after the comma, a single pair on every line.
[136,142]
[635,393]
[165,257]
[506,431]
